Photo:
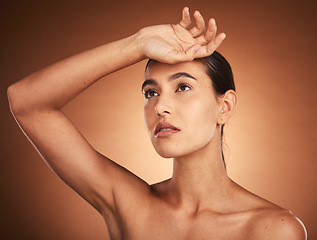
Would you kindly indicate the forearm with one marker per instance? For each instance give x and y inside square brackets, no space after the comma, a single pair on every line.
[54,86]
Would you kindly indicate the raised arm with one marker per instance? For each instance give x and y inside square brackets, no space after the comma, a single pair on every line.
[36,103]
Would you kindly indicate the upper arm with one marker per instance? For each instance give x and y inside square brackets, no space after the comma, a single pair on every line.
[95,177]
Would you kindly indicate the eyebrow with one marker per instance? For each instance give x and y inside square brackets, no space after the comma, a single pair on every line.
[172,77]
[181,74]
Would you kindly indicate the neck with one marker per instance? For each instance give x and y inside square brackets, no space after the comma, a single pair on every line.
[200,178]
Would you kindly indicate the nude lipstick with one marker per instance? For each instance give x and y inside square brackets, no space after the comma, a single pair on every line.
[164,129]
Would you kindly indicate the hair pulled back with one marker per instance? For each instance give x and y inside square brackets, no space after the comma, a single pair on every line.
[219,71]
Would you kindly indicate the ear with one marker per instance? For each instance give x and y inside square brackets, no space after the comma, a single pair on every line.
[228,103]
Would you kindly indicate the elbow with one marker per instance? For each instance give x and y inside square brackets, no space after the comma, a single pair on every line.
[25,101]
[10,95]
[15,99]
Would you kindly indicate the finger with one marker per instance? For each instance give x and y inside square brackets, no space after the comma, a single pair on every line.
[185,18]
[200,25]
[194,51]
[213,45]
[179,55]
[211,30]
[210,33]
[204,51]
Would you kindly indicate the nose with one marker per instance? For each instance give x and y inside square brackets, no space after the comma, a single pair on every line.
[163,106]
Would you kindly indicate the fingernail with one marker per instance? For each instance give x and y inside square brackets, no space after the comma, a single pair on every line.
[213,21]
[198,13]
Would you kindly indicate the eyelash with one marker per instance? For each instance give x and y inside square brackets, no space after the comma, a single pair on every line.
[179,85]
[183,84]
[147,91]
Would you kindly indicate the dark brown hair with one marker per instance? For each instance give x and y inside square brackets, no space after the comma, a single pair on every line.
[219,71]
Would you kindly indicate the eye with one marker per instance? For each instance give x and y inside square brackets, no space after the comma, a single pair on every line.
[150,93]
[182,87]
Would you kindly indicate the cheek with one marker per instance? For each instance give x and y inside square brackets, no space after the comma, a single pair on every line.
[148,116]
[201,121]
[201,112]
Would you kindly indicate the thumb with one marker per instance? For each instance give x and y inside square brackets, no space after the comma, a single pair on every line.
[193,52]
[177,56]
[197,51]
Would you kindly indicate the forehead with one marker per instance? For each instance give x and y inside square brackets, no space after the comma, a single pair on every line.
[157,70]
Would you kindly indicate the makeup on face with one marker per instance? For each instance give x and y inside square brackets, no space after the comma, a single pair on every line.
[172,77]
[165,129]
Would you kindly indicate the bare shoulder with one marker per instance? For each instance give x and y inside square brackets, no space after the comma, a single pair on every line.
[277,223]
[267,221]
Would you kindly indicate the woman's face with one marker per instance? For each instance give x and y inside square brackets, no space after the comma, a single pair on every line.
[181,108]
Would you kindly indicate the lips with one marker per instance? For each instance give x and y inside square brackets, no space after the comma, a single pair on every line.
[164,129]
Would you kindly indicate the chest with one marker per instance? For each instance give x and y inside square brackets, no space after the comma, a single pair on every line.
[168,225]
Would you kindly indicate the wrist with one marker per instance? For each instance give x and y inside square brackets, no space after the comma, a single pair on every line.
[138,43]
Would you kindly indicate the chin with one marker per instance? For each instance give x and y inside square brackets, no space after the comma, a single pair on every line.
[167,152]
[173,151]
[167,148]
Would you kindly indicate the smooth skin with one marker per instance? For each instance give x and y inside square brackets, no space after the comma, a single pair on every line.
[200,201]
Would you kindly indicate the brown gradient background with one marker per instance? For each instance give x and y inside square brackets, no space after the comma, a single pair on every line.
[271,140]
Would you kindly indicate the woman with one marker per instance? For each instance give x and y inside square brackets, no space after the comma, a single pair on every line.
[184,111]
